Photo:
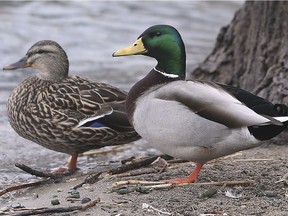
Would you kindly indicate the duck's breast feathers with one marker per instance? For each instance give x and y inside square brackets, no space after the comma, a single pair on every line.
[210,102]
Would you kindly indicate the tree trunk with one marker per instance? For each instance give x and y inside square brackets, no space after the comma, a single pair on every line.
[252,52]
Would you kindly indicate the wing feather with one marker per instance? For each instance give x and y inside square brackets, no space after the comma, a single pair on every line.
[212,103]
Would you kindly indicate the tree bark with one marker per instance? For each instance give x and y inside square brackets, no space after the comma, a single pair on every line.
[252,52]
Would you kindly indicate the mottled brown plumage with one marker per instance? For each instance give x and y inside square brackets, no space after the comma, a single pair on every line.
[62,113]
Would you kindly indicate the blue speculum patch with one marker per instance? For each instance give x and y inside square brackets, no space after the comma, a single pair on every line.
[96,124]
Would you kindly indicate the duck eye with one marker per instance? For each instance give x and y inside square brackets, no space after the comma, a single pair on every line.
[154,34]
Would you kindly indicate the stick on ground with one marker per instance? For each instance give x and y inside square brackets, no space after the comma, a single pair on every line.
[156,184]
[35,173]
[59,210]
[91,179]
[22,186]
[43,174]
[134,165]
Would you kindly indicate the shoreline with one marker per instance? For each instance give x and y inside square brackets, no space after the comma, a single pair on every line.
[266,196]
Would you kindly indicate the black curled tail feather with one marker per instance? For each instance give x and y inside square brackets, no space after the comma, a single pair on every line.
[266,132]
[281,109]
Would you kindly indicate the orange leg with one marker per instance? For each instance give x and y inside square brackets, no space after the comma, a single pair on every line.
[72,164]
[191,178]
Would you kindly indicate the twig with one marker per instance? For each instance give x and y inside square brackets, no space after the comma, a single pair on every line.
[90,204]
[283,179]
[43,174]
[150,207]
[59,210]
[127,160]
[163,168]
[137,163]
[159,184]
[91,179]
[134,165]
[157,166]
[136,182]
[33,171]
[49,210]
[22,186]
[226,183]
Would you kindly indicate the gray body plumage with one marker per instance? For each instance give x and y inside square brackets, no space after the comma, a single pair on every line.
[198,139]
[194,120]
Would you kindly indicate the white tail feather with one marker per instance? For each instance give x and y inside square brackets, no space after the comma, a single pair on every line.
[281,118]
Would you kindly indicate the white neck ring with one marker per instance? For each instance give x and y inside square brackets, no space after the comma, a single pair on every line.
[166,74]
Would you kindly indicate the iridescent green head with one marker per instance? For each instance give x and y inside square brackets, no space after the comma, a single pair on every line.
[164,43]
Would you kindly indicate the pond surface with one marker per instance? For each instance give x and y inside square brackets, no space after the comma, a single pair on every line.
[90,32]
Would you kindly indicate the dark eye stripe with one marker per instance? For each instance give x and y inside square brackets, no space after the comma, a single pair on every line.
[40,51]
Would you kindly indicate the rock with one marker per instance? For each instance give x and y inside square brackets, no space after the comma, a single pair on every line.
[209,193]
[55,202]
[85,200]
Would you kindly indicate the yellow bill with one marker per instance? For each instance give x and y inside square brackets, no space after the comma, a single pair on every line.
[136,48]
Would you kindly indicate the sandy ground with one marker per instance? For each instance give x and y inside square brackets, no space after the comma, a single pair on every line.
[266,196]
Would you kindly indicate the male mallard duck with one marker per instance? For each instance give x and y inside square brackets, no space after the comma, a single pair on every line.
[65,113]
[189,119]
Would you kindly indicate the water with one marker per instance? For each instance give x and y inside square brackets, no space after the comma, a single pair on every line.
[90,32]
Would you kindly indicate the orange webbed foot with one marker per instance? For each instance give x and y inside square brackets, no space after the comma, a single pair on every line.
[191,178]
[71,166]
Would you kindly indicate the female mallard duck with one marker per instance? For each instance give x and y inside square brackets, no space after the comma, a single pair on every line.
[65,113]
[194,120]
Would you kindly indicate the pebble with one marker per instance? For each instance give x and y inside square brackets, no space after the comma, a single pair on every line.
[59,190]
[73,192]
[17,205]
[74,196]
[85,200]
[35,195]
[55,202]
[270,193]
[209,193]
[143,190]
[72,179]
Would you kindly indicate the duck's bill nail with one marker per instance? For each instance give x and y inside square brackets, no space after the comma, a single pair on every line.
[22,63]
[136,48]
